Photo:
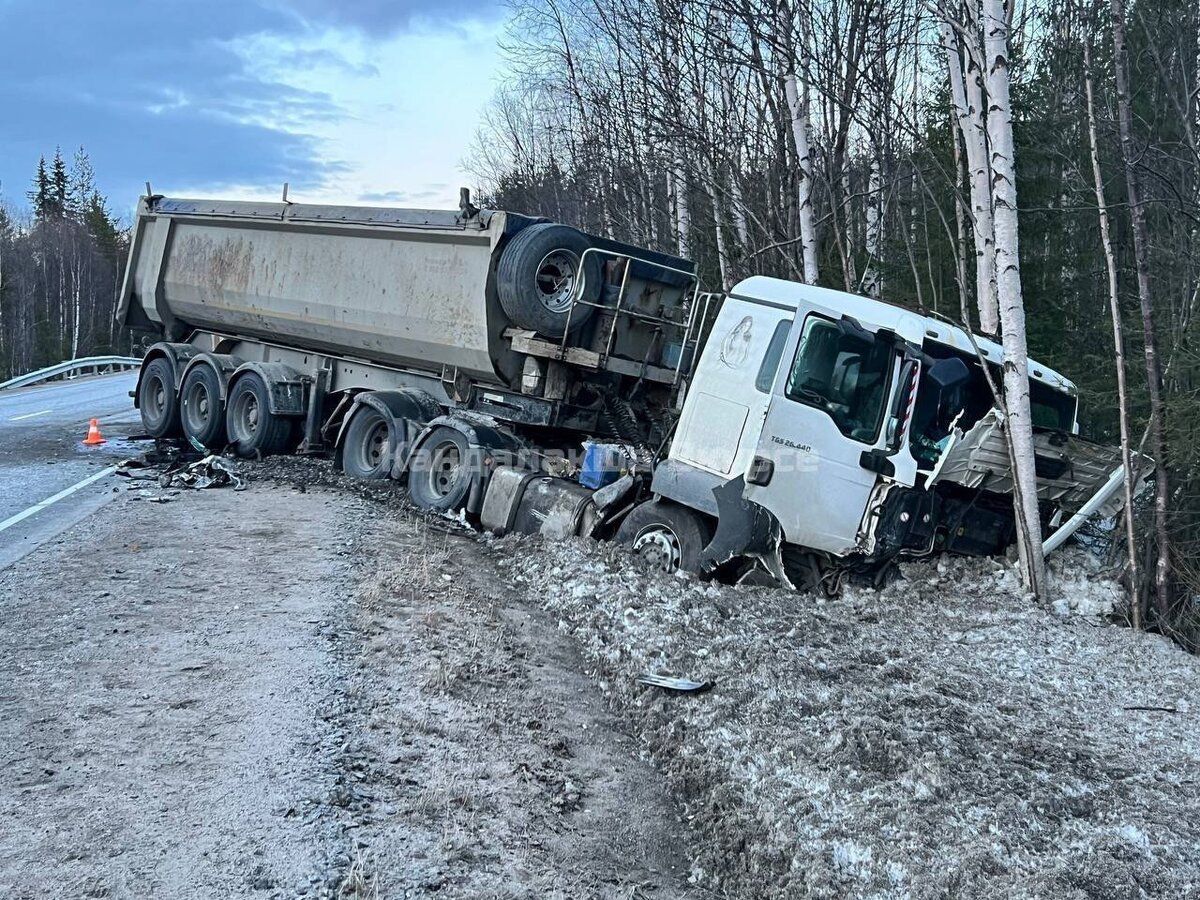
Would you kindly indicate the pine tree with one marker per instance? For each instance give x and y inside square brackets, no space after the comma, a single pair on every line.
[101,224]
[40,195]
[82,185]
[60,184]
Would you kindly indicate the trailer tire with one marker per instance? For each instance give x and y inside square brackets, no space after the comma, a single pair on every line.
[202,414]
[369,445]
[665,535]
[538,273]
[253,429]
[158,401]
[440,472]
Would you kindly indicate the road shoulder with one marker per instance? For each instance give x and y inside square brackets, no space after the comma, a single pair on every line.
[283,692]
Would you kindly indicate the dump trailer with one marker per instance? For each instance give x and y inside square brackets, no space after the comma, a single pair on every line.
[540,379]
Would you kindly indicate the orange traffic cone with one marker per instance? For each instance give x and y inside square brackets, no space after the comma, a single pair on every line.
[94,436]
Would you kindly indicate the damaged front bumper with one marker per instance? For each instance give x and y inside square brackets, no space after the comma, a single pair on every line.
[965,502]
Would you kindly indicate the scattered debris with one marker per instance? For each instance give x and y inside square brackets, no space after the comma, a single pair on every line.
[213,471]
[682,685]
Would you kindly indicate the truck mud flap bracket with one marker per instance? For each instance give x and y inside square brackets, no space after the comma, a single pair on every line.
[744,530]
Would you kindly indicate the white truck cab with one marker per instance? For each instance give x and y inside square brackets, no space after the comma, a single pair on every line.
[840,422]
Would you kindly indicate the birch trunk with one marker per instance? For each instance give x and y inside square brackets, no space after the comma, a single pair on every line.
[966,93]
[1012,308]
[723,261]
[872,286]
[1154,380]
[960,231]
[736,203]
[1110,261]
[797,90]
[683,213]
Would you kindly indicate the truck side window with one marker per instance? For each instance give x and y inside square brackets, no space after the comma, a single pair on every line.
[844,376]
[770,362]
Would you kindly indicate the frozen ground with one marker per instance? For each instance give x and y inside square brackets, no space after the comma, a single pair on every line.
[941,738]
[304,688]
[295,691]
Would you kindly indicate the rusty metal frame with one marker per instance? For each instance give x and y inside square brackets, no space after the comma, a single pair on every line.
[617,309]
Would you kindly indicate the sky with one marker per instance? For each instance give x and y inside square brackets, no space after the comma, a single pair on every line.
[368,101]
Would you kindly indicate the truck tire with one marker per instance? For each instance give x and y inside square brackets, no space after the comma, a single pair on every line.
[253,429]
[538,273]
[440,473]
[369,444]
[157,400]
[666,536]
[201,412]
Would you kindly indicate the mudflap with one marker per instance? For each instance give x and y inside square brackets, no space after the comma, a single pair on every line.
[744,530]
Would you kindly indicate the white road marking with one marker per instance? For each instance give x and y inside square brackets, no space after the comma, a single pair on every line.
[50,501]
[28,415]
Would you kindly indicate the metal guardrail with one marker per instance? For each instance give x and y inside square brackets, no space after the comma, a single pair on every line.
[95,363]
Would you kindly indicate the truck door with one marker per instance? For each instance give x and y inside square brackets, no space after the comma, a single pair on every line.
[815,467]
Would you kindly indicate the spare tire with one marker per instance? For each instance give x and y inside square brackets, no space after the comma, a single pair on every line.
[538,275]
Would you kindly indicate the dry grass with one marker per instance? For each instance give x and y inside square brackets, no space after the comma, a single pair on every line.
[359,883]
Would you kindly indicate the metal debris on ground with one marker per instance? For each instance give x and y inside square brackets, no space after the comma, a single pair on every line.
[683,685]
[213,471]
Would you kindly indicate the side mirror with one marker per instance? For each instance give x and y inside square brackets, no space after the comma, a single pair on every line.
[948,374]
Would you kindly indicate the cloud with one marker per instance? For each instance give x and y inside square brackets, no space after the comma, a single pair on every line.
[405,198]
[383,18]
[179,92]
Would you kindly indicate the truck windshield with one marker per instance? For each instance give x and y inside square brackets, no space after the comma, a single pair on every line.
[843,375]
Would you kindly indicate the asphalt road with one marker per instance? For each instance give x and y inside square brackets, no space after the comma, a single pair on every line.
[42,454]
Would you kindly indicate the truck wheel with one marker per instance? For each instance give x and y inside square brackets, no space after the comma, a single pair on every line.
[201,413]
[253,429]
[665,535]
[157,400]
[538,274]
[368,446]
[440,472]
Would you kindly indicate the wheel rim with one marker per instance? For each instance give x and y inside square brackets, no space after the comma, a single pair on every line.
[659,547]
[372,448]
[556,276]
[155,399]
[445,464]
[197,407]
[245,415]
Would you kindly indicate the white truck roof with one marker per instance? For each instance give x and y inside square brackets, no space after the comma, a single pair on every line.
[908,323]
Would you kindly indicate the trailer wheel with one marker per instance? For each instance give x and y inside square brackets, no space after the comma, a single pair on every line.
[253,429]
[201,413]
[368,446]
[440,472]
[666,536]
[157,400]
[538,274]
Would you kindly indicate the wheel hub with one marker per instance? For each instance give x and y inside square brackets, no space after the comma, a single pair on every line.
[659,548]
[443,473]
[556,276]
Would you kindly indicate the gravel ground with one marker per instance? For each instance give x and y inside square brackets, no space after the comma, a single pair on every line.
[166,671]
[940,738]
[297,691]
[306,688]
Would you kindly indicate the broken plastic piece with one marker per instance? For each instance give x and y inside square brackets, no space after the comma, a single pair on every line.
[211,472]
[683,685]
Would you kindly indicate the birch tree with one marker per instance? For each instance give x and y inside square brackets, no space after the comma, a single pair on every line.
[795,83]
[959,39]
[1012,306]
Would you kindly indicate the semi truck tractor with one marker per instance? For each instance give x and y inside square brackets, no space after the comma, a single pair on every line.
[535,378]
